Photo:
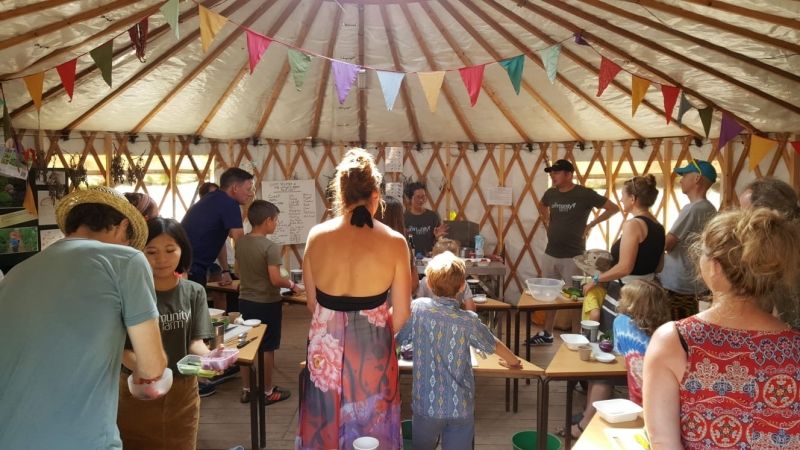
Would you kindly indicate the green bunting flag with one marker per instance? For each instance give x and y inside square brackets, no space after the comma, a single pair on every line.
[705,117]
[299,62]
[514,68]
[683,107]
[171,12]
[102,58]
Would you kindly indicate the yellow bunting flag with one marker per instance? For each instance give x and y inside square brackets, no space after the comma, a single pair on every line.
[638,90]
[431,85]
[29,203]
[759,147]
[35,83]
[210,24]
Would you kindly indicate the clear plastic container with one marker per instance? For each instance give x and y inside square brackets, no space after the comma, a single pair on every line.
[151,391]
[573,341]
[546,289]
[220,359]
[193,365]
[617,410]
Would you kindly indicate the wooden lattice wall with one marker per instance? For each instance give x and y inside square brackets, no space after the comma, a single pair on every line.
[458,176]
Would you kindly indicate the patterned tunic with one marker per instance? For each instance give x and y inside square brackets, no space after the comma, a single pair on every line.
[740,389]
[631,342]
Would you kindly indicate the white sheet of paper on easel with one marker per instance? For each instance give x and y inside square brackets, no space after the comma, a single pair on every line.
[499,196]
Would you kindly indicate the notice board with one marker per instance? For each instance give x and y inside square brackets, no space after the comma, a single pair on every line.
[297,202]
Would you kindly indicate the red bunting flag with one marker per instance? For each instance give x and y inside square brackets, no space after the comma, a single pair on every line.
[608,70]
[257,44]
[138,35]
[670,94]
[472,77]
[66,72]
[796,145]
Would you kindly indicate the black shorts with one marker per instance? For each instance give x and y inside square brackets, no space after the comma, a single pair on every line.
[270,314]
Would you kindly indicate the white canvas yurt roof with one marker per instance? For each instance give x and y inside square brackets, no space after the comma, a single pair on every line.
[740,58]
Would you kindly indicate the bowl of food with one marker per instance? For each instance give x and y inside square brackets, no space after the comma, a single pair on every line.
[546,289]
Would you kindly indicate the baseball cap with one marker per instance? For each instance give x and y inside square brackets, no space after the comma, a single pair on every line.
[700,166]
[561,165]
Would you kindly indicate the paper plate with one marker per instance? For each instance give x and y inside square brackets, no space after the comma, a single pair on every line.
[252,322]
[605,357]
[479,299]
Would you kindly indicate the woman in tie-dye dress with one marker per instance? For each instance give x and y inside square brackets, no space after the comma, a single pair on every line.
[351,266]
[728,377]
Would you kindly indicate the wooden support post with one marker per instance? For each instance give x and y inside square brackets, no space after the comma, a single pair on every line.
[668,179]
[448,176]
[173,173]
[609,187]
[501,210]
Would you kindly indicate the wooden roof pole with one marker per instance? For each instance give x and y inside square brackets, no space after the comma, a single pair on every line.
[409,106]
[468,62]
[706,20]
[537,60]
[112,30]
[222,99]
[528,88]
[362,93]
[326,73]
[655,46]
[70,21]
[209,58]
[32,8]
[753,14]
[724,50]
[448,95]
[280,81]
[152,35]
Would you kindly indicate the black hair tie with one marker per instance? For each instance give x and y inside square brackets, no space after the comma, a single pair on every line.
[361,217]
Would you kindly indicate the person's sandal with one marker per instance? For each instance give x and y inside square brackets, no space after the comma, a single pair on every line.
[245,397]
[277,395]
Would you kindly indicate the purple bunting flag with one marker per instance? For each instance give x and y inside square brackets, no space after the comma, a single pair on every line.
[729,129]
[344,75]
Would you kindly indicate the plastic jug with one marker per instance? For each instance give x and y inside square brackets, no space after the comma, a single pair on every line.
[479,246]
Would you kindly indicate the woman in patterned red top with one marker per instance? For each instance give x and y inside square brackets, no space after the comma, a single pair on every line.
[728,377]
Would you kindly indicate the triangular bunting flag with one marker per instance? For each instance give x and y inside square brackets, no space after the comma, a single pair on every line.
[66,72]
[29,203]
[728,130]
[431,85]
[171,12]
[550,60]
[795,144]
[299,62]
[256,46]
[638,90]
[670,94]
[580,40]
[759,147]
[683,107]
[35,84]
[608,70]
[102,58]
[210,24]
[514,68]
[138,34]
[390,85]
[344,75]
[472,78]
[705,117]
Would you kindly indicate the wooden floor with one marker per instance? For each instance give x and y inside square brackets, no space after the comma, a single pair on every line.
[225,422]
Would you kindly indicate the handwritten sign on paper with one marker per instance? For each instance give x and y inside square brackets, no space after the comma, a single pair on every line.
[499,196]
[394,189]
[394,159]
[297,201]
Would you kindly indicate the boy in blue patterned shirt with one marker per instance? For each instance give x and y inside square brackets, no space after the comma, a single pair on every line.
[441,332]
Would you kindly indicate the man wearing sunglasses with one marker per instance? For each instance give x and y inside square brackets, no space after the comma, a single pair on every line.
[679,275]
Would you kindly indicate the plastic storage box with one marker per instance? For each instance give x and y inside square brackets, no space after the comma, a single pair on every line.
[151,391]
[573,341]
[617,410]
[193,365]
[220,359]
[544,288]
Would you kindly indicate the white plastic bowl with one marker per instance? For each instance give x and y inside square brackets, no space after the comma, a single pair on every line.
[151,391]
[617,410]
[546,289]
[573,341]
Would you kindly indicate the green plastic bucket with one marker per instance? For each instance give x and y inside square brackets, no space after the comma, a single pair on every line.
[405,426]
[528,440]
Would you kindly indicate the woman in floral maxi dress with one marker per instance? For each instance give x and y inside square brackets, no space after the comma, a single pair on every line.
[351,266]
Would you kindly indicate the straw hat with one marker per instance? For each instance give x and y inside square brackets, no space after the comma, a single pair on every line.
[109,197]
[594,261]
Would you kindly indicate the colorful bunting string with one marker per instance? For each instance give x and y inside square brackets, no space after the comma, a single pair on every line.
[256,46]
[608,70]
[759,147]
[550,61]
[299,62]
[102,58]
[344,75]
[472,78]
[210,25]
[138,35]
[638,91]
[66,72]
[670,94]
[431,85]
[390,85]
[729,129]
[171,12]
[514,67]
[35,84]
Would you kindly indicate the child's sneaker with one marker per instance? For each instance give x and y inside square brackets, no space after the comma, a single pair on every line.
[540,338]
[277,395]
[245,397]
[206,389]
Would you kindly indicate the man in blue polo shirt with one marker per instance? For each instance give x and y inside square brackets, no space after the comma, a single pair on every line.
[214,218]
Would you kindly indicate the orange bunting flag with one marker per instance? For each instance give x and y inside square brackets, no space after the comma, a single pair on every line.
[670,94]
[796,145]
[759,147]
[256,46]
[35,84]
[66,72]
[210,24]
[29,203]
[638,90]
[431,85]
[608,70]
[472,77]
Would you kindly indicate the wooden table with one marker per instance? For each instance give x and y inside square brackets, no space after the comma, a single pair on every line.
[529,305]
[567,365]
[249,356]
[232,288]
[496,270]
[594,437]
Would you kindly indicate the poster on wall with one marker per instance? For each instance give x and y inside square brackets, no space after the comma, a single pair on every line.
[47,208]
[12,192]
[394,189]
[50,236]
[19,240]
[297,202]
[394,159]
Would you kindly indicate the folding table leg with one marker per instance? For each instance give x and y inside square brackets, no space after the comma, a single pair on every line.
[527,339]
[254,401]
[568,409]
[262,410]
[541,419]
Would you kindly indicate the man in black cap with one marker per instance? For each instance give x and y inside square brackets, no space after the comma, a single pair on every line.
[568,206]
